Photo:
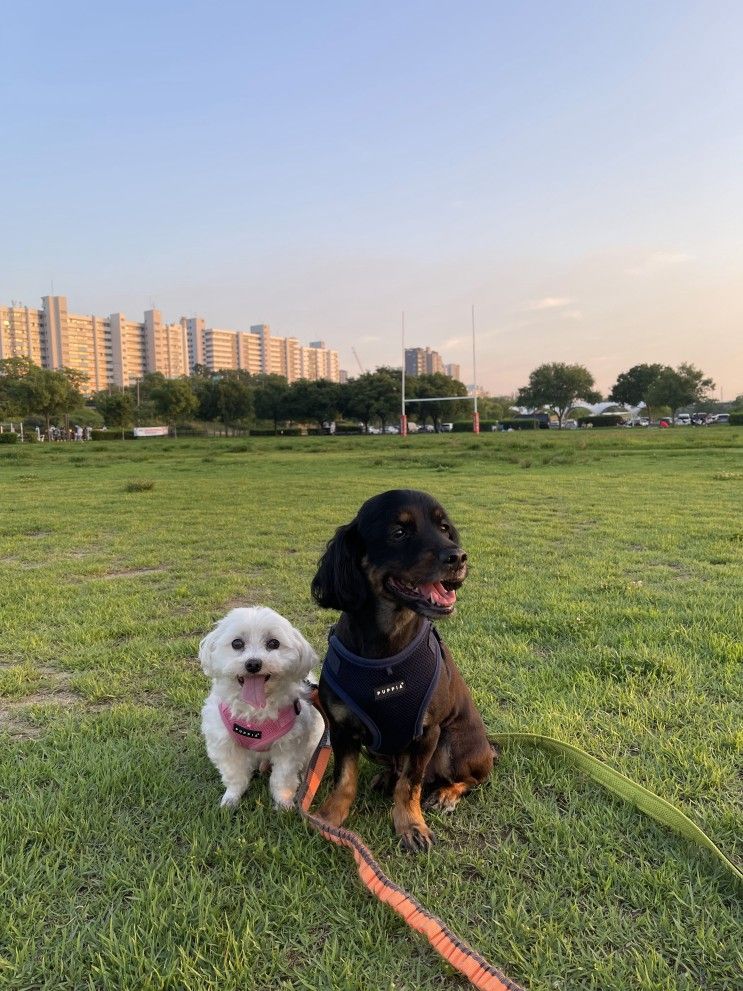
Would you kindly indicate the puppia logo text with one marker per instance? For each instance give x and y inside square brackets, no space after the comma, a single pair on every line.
[386,691]
[253,734]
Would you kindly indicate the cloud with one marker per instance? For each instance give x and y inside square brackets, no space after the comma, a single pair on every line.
[549,303]
[658,261]
[571,315]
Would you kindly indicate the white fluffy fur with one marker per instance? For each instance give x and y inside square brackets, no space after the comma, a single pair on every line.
[288,666]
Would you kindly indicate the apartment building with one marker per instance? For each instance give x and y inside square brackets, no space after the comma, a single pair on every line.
[422,361]
[128,357]
[454,371]
[220,349]
[259,351]
[114,350]
[20,333]
[324,362]
[194,328]
[166,346]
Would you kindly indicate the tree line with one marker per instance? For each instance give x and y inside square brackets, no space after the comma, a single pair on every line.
[233,398]
[236,399]
[559,388]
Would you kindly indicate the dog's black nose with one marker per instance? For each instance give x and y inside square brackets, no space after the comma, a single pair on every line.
[453,556]
[253,665]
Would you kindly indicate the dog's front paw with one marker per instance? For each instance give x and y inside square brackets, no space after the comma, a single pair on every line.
[417,838]
[283,798]
[230,800]
[447,798]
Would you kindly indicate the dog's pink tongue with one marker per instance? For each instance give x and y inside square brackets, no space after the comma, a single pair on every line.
[440,595]
[254,690]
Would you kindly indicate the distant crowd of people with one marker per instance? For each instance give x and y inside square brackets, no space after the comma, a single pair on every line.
[64,433]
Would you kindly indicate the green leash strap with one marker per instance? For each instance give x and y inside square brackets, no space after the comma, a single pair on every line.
[652,805]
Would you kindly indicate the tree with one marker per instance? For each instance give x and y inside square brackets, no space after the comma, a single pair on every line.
[633,386]
[226,396]
[318,400]
[431,387]
[116,408]
[174,399]
[373,395]
[270,398]
[51,393]
[557,386]
[495,407]
[147,411]
[13,395]
[684,386]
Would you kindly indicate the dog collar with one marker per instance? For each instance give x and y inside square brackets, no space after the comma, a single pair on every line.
[259,735]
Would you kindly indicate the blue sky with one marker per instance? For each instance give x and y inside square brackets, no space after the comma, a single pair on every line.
[571,169]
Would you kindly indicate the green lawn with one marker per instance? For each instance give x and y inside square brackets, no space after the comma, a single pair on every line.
[603,607]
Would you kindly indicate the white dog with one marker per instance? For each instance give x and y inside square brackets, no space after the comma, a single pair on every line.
[258,711]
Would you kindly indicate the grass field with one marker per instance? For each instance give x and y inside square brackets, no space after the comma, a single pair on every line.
[603,607]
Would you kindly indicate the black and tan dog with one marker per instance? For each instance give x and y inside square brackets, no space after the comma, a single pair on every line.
[389,683]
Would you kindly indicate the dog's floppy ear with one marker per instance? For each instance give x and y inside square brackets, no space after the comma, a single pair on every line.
[340,582]
[206,650]
[307,655]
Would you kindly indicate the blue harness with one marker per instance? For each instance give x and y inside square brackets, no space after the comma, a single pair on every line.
[388,694]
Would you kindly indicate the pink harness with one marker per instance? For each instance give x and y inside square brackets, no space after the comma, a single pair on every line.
[260,735]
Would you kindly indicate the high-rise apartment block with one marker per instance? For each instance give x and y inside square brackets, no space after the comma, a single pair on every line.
[454,371]
[115,351]
[422,361]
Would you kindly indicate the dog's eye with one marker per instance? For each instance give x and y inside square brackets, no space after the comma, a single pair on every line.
[397,533]
[272,644]
[444,527]
[238,644]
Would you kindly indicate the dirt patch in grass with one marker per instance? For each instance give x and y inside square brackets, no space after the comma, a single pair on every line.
[244,601]
[13,719]
[17,728]
[60,697]
[133,573]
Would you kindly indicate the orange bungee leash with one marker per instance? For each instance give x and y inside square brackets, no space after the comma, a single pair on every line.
[478,971]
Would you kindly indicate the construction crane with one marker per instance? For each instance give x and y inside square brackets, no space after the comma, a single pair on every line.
[358,361]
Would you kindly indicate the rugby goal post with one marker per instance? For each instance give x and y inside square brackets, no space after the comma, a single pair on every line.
[441,399]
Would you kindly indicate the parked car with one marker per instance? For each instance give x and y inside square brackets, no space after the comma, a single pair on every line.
[639,421]
[446,428]
[719,418]
[682,420]
[392,430]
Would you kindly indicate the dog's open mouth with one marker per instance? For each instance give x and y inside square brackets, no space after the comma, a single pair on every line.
[253,689]
[436,597]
